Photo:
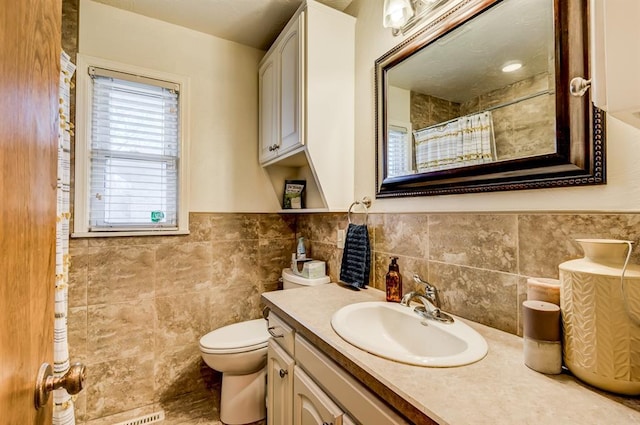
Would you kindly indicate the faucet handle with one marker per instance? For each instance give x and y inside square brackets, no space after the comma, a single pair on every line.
[430,291]
[418,279]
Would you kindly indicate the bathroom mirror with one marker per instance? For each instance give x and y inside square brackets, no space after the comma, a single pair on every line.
[479,100]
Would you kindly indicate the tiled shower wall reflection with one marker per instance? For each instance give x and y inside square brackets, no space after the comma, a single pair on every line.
[138,306]
[480,262]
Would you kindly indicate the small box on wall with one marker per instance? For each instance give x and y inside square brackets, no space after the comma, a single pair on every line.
[294,192]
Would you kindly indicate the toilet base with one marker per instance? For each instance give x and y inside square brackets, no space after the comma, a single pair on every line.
[242,398]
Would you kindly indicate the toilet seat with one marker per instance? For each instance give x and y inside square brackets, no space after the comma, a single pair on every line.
[236,338]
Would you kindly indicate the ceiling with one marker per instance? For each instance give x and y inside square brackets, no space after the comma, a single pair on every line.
[254,23]
[467,62]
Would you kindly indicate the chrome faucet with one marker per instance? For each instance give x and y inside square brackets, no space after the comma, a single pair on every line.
[430,300]
[430,291]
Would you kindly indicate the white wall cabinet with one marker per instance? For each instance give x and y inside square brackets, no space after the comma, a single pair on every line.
[267,81]
[281,95]
[307,116]
[616,58]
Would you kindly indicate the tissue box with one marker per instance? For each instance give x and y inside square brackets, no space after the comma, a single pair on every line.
[313,269]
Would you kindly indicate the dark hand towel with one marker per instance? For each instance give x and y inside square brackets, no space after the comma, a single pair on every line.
[356,258]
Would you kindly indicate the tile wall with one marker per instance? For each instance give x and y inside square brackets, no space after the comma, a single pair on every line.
[138,306]
[480,262]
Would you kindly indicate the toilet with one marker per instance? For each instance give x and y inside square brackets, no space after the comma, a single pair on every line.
[239,351]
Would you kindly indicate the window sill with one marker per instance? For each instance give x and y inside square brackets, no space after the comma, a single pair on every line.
[132,233]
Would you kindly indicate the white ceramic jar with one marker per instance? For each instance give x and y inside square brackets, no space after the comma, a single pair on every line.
[601,316]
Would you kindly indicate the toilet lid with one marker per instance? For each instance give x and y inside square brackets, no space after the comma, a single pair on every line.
[238,337]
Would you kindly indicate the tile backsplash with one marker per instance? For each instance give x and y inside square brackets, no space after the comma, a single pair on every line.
[139,305]
[479,262]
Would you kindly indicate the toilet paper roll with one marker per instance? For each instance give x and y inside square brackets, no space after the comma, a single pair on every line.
[541,320]
[543,289]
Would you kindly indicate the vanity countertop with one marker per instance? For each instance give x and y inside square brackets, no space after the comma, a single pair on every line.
[498,389]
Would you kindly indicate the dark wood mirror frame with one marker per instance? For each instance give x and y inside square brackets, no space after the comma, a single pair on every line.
[580,126]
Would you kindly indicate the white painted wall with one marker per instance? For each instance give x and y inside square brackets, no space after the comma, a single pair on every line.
[223,125]
[622,192]
[399,101]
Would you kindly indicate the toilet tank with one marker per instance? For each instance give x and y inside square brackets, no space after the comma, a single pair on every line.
[290,280]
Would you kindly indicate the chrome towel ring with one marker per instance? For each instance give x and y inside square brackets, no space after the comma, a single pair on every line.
[366,203]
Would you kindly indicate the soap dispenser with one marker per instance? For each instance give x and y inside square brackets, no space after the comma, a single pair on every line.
[394,281]
[301,252]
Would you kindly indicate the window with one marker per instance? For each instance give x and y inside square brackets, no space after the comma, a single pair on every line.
[129,164]
[399,152]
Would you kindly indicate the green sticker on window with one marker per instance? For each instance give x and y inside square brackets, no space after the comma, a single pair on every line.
[156,216]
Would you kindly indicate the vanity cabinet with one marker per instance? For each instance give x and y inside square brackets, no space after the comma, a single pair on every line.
[306,88]
[279,385]
[311,406]
[305,387]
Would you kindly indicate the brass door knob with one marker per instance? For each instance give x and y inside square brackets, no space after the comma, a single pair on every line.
[72,381]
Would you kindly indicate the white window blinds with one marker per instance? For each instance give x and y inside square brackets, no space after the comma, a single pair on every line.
[134,152]
[399,152]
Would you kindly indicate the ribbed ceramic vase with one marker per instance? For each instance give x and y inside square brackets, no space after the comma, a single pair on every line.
[601,341]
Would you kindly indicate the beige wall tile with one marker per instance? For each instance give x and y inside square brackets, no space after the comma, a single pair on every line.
[80,408]
[408,266]
[277,226]
[484,296]
[331,255]
[119,330]
[324,226]
[179,370]
[120,273]
[487,241]
[234,226]
[183,268]
[403,234]
[115,386]
[77,334]
[182,319]
[78,271]
[215,276]
[234,261]
[546,240]
[273,256]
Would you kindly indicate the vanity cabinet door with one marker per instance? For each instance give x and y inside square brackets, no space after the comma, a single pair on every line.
[268,90]
[290,52]
[279,386]
[311,406]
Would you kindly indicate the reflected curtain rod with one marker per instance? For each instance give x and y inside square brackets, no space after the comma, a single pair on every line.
[491,108]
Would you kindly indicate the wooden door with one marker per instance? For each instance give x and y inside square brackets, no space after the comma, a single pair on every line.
[279,385]
[29,72]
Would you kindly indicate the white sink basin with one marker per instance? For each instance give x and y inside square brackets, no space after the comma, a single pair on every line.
[396,332]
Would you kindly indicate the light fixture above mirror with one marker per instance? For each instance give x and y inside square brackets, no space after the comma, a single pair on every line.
[403,15]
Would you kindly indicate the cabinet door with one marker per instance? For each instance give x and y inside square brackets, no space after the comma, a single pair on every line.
[268,90]
[291,80]
[311,406]
[279,386]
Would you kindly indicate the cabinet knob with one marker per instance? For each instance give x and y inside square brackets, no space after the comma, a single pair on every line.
[283,373]
[273,147]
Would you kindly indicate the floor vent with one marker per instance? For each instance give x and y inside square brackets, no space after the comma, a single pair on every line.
[152,418]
